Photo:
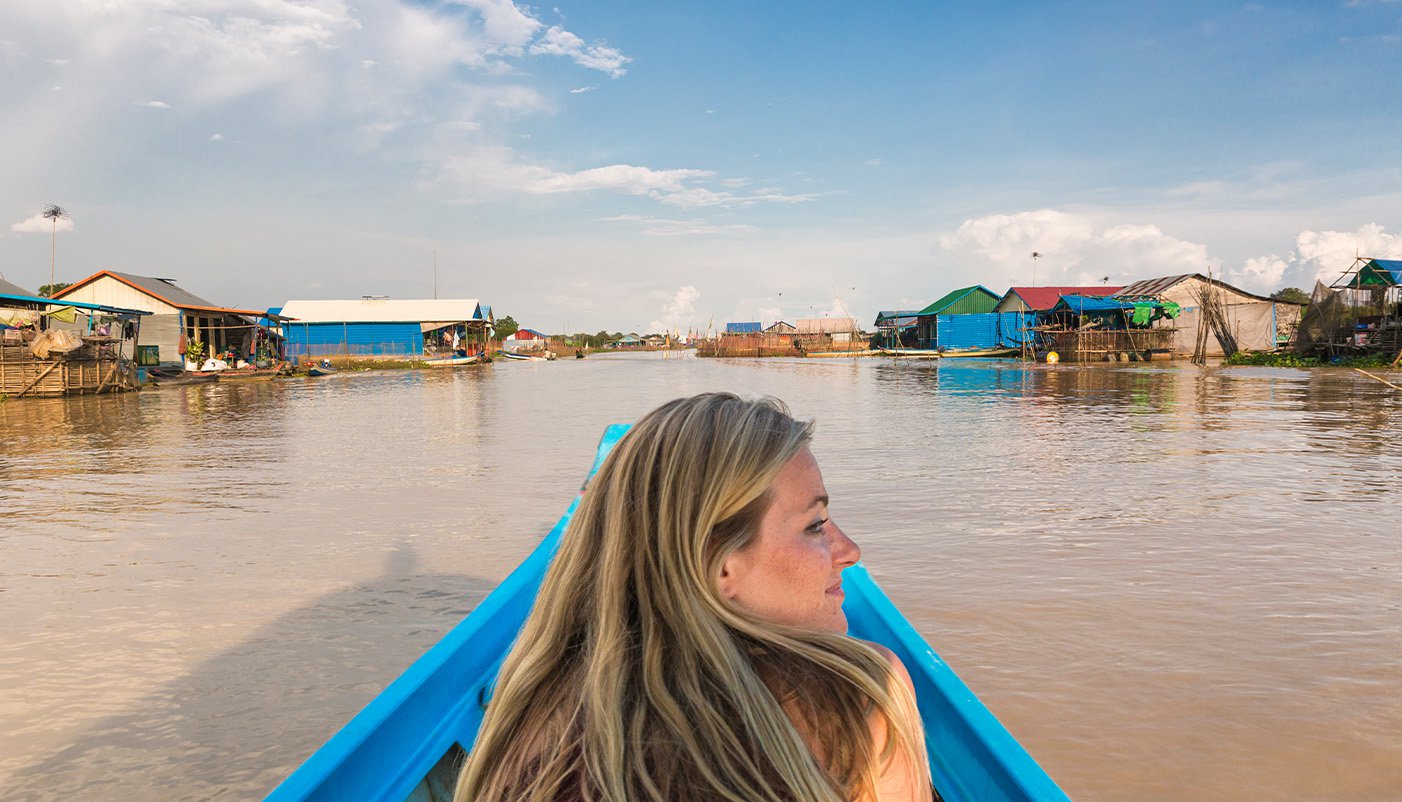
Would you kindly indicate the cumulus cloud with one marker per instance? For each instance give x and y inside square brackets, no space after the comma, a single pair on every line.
[677,313]
[1076,248]
[313,58]
[1318,256]
[559,42]
[39,224]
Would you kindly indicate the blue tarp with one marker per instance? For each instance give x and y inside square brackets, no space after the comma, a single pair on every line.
[743,328]
[1083,304]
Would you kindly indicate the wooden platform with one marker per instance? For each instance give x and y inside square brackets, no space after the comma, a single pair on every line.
[86,370]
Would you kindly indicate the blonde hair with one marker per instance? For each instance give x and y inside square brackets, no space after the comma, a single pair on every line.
[635,679]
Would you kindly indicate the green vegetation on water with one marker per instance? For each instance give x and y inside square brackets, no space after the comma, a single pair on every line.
[1288,360]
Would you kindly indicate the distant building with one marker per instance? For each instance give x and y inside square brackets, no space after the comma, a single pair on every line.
[628,341]
[781,328]
[377,326]
[177,316]
[524,340]
[963,333]
[897,328]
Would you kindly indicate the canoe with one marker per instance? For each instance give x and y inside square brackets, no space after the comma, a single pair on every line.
[911,353]
[320,370]
[452,361]
[524,357]
[185,377]
[981,352]
[407,744]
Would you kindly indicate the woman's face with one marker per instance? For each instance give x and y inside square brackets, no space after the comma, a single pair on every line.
[791,573]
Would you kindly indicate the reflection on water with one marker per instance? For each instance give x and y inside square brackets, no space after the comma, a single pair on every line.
[1167,581]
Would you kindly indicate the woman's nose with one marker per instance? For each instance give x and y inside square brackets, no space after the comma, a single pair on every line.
[845,550]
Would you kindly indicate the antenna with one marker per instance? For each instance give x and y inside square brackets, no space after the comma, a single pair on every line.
[1035,256]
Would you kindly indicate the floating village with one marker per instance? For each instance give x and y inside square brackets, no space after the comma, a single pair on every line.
[114,332]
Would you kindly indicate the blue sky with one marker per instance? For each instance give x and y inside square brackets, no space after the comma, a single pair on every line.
[635,166]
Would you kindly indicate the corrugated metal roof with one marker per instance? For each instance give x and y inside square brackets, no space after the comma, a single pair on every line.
[6,288]
[826,325]
[1042,299]
[384,310]
[747,327]
[163,289]
[782,327]
[39,299]
[1152,287]
[963,301]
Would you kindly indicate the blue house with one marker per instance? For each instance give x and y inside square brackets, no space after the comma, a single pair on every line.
[378,326]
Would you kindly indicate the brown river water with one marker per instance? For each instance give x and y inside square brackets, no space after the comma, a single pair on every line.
[1168,582]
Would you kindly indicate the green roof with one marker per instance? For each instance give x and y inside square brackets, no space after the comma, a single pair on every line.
[966,301]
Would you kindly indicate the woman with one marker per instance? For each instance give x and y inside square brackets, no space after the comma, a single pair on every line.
[688,640]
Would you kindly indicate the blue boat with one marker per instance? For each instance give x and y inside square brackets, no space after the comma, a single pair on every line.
[409,742]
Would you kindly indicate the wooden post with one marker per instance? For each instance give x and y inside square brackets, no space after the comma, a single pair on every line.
[37,379]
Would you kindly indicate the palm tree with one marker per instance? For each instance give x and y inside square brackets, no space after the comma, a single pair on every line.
[54,214]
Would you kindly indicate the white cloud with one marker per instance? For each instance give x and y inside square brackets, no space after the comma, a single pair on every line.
[579,90]
[39,224]
[217,138]
[677,313]
[1318,256]
[484,171]
[559,42]
[506,24]
[155,104]
[1076,248]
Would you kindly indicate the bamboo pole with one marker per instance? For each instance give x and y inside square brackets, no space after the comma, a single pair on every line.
[1379,378]
[37,379]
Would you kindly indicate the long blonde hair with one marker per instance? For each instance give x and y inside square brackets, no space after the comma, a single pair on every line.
[635,679]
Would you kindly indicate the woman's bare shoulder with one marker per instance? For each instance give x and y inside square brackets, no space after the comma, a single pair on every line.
[897,667]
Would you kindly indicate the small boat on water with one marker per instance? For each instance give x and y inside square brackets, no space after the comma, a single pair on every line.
[980,352]
[175,377]
[524,357]
[408,743]
[452,361]
[320,370]
[910,353]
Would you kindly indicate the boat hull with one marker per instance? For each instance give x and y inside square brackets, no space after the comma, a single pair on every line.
[406,743]
[453,361]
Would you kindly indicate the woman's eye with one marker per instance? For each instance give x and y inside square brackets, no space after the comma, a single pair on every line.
[817,526]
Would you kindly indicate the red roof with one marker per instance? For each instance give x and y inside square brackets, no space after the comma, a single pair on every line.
[1041,299]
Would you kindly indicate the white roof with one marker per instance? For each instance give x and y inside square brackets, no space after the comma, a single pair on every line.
[383,310]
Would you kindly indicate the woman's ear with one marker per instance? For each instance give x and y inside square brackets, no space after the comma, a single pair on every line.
[729,568]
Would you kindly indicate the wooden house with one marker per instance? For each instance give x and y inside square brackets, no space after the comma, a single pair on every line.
[177,317]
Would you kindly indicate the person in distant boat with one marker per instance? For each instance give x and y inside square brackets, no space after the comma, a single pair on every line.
[688,642]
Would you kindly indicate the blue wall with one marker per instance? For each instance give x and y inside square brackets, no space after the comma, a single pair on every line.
[366,339]
[960,332]
[1011,327]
